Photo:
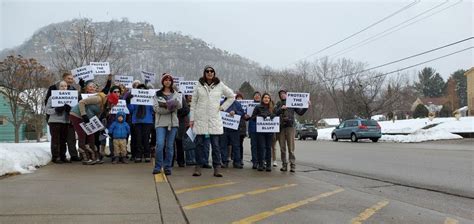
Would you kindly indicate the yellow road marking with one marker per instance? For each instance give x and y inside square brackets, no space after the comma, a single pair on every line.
[451,221]
[369,212]
[180,191]
[161,177]
[235,196]
[264,215]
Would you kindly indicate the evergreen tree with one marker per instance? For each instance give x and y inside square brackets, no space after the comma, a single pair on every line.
[445,111]
[247,90]
[430,84]
[420,111]
[461,86]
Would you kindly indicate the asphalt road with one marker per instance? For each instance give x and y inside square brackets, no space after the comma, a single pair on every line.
[328,187]
[445,166]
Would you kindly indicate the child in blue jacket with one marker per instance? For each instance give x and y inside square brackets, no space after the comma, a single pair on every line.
[119,130]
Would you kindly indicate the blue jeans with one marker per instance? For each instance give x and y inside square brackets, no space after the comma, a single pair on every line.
[163,133]
[253,146]
[190,157]
[205,152]
[216,155]
[230,138]
[264,152]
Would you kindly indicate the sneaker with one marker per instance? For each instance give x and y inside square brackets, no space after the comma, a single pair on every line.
[147,160]
[275,164]
[167,172]
[284,168]
[156,171]
[138,160]
[99,161]
[207,166]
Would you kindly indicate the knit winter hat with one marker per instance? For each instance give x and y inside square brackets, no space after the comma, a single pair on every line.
[165,76]
[281,91]
[207,67]
[113,99]
[114,88]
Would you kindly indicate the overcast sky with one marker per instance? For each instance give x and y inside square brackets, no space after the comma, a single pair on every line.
[275,33]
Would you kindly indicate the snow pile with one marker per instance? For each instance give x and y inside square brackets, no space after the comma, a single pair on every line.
[421,136]
[23,157]
[449,124]
[412,128]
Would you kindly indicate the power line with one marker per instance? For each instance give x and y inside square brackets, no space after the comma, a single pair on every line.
[412,56]
[364,29]
[376,36]
[434,59]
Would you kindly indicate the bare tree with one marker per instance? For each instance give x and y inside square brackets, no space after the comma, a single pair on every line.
[19,79]
[82,43]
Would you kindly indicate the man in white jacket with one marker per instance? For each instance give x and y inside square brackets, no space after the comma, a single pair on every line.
[205,118]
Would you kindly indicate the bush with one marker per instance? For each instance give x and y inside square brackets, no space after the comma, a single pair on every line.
[445,111]
[420,111]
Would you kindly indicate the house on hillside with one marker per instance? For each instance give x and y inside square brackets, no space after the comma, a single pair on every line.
[7,130]
[470,91]
[328,122]
[432,104]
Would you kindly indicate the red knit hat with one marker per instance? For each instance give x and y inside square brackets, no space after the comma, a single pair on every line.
[113,99]
[165,76]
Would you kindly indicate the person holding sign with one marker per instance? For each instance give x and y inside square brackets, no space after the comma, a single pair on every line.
[166,104]
[81,113]
[205,118]
[253,132]
[58,124]
[231,137]
[71,137]
[142,121]
[287,130]
[264,139]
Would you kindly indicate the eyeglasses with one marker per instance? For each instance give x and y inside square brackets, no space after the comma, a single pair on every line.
[209,71]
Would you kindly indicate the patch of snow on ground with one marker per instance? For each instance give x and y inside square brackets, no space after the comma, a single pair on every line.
[23,157]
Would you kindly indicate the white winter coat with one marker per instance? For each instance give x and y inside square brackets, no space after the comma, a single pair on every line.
[205,107]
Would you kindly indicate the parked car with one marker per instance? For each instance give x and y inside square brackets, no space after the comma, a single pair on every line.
[304,131]
[356,129]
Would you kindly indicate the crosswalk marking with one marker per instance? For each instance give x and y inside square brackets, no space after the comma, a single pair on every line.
[180,191]
[235,196]
[264,215]
[369,212]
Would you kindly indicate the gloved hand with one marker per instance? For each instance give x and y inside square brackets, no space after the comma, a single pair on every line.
[82,83]
[127,100]
[85,119]
[67,108]
[59,110]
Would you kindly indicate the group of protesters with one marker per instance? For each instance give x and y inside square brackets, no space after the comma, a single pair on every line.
[164,126]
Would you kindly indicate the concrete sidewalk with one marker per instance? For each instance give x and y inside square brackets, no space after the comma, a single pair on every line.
[73,193]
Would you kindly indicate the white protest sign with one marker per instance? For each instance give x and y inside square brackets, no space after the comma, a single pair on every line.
[85,72]
[100,68]
[231,122]
[125,80]
[297,100]
[187,87]
[251,107]
[176,81]
[268,125]
[93,126]
[120,107]
[143,96]
[245,104]
[61,97]
[87,95]
[148,77]
[191,134]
